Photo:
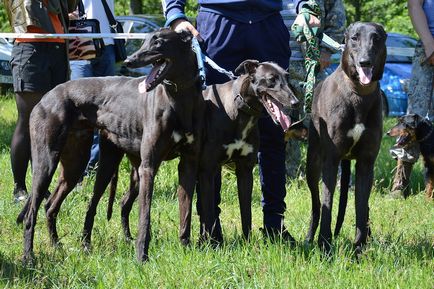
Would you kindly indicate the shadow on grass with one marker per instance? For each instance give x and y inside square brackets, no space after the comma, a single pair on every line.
[45,272]
[11,272]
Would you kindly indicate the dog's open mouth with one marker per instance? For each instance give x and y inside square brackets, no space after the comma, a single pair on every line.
[274,109]
[402,140]
[365,74]
[159,70]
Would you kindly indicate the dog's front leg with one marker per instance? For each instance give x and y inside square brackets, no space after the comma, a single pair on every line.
[364,180]
[128,201]
[329,173]
[206,198]
[146,187]
[187,172]
[245,187]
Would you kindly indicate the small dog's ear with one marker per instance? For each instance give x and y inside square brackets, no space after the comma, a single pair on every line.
[185,35]
[248,66]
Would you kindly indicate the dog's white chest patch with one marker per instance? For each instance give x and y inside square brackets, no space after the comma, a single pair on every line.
[176,136]
[240,144]
[356,132]
[190,138]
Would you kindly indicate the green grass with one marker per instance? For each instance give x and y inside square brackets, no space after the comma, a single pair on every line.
[399,255]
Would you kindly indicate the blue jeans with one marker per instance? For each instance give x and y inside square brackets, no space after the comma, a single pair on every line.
[229,43]
[100,66]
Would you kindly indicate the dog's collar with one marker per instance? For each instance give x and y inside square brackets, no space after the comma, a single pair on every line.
[427,135]
[177,87]
[245,107]
[241,103]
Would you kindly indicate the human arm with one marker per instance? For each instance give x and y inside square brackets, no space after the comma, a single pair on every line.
[333,26]
[420,24]
[175,16]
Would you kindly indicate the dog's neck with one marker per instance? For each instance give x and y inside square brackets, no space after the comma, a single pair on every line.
[244,97]
[360,89]
[424,131]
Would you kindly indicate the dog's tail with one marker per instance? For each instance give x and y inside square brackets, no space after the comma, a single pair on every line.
[113,186]
[343,199]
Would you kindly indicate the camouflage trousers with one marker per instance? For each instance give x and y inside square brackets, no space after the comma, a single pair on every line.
[420,99]
[294,162]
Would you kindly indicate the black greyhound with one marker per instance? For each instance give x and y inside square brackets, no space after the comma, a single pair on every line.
[231,136]
[151,119]
[347,124]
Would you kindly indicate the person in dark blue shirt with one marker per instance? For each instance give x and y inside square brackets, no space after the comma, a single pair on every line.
[234,31]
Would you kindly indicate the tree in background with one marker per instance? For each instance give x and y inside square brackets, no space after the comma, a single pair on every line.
[392,14]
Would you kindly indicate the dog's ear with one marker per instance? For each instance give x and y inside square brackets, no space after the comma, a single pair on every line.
[185,35]
[248,66]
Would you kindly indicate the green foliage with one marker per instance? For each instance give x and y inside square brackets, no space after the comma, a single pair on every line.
[392,14]
[399,255]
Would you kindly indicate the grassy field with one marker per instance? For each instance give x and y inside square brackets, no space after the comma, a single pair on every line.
[399,255]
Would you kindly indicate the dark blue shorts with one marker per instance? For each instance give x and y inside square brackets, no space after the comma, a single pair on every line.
[38,66]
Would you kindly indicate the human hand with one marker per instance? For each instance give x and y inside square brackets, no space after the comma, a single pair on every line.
[73,15]
[429,53]
[325,59]
[182,24]
[313,21]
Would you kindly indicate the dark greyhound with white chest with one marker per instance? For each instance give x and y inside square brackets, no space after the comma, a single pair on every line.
[159,117]
[231,135]
[347,124]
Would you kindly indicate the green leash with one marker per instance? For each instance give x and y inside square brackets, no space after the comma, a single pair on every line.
[311,61]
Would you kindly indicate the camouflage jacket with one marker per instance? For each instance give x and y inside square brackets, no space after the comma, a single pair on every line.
[23,13]
[332,22]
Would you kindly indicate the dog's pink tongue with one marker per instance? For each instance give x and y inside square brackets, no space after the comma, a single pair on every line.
[284,120]
[365,74]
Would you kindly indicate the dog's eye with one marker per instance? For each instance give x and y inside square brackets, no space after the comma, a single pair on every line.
[271,82]
[158,42]
[375,38]
[355,37]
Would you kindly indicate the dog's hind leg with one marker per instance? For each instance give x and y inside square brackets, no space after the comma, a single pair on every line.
[329,176]
[74,158]
[313,174]
[363,186]
[245,187]
[429,176]
[44,164]
[110,157]
[343,197]
[128,201]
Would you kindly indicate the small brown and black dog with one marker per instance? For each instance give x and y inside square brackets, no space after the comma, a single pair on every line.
[412,129]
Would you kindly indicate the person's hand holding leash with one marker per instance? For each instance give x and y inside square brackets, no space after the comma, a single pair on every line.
[182,24]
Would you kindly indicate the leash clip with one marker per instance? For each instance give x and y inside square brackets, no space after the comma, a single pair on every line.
[199,57]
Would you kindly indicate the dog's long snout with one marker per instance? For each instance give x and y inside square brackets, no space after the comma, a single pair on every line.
[295,103]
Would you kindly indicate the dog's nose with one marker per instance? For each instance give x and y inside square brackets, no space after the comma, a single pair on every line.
[294,102]
[365,62]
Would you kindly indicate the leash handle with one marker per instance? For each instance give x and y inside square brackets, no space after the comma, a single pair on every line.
[199,57]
